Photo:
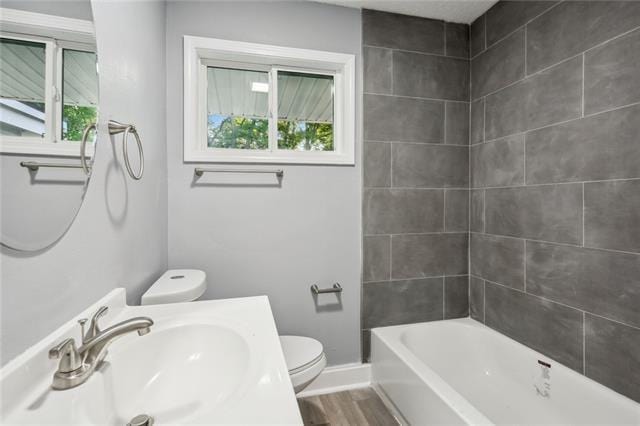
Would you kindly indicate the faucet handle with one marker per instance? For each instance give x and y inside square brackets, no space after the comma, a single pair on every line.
[82,322]
[68,354]
[94,329]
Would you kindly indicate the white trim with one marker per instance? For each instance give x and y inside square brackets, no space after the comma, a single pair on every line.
[339,378]
[33,146]
[200,50]
[41,24]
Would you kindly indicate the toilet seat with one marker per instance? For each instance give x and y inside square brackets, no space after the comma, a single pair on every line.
[305,359]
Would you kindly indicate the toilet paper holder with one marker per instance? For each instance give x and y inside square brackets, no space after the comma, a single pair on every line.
[337,288]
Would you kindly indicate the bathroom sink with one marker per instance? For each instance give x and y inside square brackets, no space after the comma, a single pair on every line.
[203,362]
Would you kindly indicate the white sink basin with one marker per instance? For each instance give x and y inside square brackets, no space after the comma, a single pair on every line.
[207,362]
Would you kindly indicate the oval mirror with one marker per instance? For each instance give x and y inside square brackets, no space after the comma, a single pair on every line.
[48,103]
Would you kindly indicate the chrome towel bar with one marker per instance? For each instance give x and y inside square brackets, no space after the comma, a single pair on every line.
[199,171]
[337,288]
[34,165]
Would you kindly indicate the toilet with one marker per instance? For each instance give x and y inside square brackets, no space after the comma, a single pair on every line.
[304,356]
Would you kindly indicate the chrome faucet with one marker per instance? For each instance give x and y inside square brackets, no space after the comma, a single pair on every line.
[77,365]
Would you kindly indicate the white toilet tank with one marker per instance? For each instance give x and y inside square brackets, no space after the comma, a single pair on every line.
[175,286]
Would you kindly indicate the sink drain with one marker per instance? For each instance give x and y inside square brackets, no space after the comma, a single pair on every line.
[141,420]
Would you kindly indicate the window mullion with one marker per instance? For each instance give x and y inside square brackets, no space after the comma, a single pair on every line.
[51,95]
[273,110]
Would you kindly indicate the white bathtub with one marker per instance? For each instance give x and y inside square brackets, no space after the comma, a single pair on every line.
[462,372]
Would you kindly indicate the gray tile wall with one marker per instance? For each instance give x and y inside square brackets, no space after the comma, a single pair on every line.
[416,171]
[555,182]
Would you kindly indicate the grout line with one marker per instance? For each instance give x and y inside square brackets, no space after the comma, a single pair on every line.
[583,240]
[444,210]
[524,261]
[584,359]
[444,127]
[423,98]
[392,74]
[484,211]
[428,277]
[444,291]
[582,106]
[533,185]
[484,301]
[390,257]
[409,234]
[560,304]
[515,30]
[417,52]
[417,143]
[484,119]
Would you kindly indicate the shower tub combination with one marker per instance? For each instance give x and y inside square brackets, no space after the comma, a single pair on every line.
[462,372]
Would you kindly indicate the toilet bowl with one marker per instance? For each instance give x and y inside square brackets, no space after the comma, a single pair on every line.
[304,356]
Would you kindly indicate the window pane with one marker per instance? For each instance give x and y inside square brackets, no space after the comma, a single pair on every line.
[22,76]
[305,111]
[237,108]
[79,92]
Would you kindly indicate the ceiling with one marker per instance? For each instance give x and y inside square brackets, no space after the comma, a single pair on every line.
[462,11]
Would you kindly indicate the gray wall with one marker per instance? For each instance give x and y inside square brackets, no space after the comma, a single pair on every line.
[416,162]
[249,236]
[119,237]
[555,162]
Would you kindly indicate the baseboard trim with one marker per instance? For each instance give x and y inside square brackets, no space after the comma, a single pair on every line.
[339,378]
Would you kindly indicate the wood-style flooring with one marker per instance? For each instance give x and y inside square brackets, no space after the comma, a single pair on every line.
[361,407]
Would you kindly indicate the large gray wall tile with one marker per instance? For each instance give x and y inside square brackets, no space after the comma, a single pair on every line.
[477,211]
[611,74]
[456,297]
[549,212]
[457,40]
[612,355]
[477,36]
[477,121]
[498,259]
[575,26]
[457,123]
[430,166]
[456,210]
[498,163]
[428,255]
[499,66]
[402,302]
[429,76]
[376,160]
[602,282]
[551,96]
[366,345]
[476,298]
[402,32]
[506,16]
[392,211]
[612,215]
[391,118]
[376,258]
[547,327]
[604,146]
[377,69]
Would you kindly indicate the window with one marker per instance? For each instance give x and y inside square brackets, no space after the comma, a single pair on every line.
[247,102]
[48,84]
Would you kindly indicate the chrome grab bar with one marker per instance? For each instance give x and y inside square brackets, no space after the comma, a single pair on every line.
[337,288]
[199,171]
[34,165]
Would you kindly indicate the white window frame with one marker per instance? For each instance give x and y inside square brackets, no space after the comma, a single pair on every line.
[56,33]
[200,52]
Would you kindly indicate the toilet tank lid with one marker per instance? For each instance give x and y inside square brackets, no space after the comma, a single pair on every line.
[175,286]
[300,351]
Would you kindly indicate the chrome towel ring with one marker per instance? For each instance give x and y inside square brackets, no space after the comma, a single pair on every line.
[116,128]
[83,147]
